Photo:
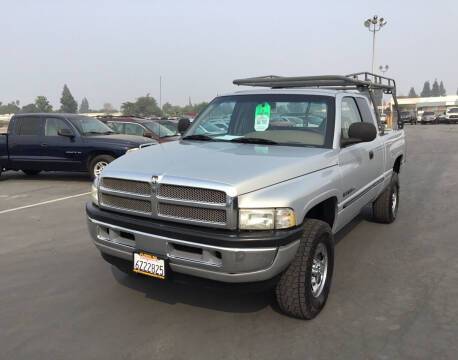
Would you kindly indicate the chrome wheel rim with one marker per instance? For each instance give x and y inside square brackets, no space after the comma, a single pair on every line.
[98,168]
[319,269]
[394,202]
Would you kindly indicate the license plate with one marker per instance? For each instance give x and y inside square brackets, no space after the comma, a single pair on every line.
[150,265]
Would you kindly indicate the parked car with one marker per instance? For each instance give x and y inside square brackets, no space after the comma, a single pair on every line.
[451,115]
[151,128]
[429,117]
[62,142]
[254,203]
[409,117]
[441,117]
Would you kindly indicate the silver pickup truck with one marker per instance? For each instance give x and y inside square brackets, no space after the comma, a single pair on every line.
[256,188]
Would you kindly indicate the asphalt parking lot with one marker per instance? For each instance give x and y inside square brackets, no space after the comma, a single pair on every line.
[394,293]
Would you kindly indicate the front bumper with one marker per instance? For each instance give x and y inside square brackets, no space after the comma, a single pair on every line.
[216,254]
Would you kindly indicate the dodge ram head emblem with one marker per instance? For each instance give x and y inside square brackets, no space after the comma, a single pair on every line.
[154,180]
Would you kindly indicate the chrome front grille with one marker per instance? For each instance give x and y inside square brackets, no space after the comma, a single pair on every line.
[189,193]
[192,213]
[135,187]
[123,203]
[185,204]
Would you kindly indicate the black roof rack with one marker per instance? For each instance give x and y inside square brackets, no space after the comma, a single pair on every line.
[357,81]
[363,81]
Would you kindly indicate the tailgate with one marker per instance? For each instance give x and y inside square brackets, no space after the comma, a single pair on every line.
[3,150]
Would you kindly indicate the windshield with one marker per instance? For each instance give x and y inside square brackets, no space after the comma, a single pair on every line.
[277,119]
[90,126]
[428,113]
[161,129]
[453,110]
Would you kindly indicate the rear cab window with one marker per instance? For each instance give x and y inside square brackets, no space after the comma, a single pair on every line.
[27,126]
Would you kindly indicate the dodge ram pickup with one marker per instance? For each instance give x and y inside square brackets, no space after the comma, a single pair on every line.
[62,142]
[260,200]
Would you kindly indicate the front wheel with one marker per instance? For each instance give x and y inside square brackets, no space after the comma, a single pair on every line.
[303,288]
[98,163]
[385,208]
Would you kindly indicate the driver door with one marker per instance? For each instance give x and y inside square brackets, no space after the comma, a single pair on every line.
[360,165]
[62,153]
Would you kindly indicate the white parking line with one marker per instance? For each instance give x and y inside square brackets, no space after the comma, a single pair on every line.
[43,203]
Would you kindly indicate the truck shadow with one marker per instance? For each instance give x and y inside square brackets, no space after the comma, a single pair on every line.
[53,176]
[227,299]
[233,300]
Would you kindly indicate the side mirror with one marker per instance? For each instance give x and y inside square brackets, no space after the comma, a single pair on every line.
[148,134]
[183,125]
[360,132]
[66,132]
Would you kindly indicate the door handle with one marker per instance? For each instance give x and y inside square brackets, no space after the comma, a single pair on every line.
[43,145]
[371,155]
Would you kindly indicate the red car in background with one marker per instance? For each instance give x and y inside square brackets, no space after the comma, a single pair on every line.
[157,129]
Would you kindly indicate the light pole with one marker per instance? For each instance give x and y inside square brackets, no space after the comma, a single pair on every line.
[383,68]
[374,24]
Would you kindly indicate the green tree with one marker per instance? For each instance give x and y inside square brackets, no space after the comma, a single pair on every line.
[29,108]
[10,108]
[128,108]
[144,106]
[42,104]
[84,107]
[442,91]
[412,93]
[435,89]
[426,92]
[68,103]
[167,108]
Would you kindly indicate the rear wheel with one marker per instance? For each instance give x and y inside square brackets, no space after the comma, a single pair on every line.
[385,208]
[303,288]
[31,172]
[98,163]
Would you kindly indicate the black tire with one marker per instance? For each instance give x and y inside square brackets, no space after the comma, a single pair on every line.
[294,289]
[31,172]
[95,163]
[383,209]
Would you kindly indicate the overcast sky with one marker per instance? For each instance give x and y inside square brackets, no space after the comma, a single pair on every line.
[114,51]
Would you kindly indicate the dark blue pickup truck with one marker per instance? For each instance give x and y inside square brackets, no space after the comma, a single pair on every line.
[62,142]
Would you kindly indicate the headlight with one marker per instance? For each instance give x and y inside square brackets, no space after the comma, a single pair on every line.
[133,149]
[95,192]
[266,219]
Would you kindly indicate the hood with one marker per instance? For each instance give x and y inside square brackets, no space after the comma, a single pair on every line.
[243,167]
[119,139]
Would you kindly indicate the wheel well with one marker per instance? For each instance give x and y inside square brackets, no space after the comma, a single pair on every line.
[397,164]
[95,153]
[325,211]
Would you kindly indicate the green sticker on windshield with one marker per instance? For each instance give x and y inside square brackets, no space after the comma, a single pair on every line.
[262,117]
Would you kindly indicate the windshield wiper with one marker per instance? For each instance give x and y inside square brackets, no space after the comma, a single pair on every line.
[198,137]
[250,140]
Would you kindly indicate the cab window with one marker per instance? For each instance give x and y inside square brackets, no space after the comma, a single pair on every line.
[349,115]
[133,129]
[53,125]
[116,126]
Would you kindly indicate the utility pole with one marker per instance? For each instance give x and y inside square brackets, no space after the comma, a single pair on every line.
[160,92]
[374,24]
